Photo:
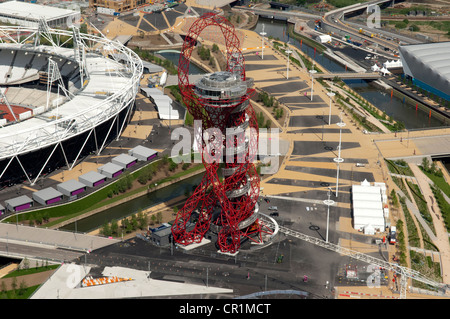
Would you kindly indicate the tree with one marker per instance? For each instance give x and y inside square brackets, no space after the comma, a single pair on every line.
[114,228]
[425,164]
[22,288]
[106,229]
[153,219]
[14,283]
[172,165]
[159,217]
[394,199]
[142,220]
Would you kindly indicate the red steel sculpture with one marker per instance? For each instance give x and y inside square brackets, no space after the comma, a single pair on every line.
[226,203]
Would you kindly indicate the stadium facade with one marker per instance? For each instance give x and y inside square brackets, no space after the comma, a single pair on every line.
[428,66]
[60,102]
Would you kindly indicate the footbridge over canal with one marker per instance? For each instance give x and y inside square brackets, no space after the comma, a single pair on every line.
[349,75]
[19,241]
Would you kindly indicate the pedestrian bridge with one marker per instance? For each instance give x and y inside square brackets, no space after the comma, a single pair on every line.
[349,75]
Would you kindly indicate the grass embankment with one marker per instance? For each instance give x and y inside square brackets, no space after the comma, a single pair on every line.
[308,41]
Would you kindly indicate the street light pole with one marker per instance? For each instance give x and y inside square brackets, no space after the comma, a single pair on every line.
[330,94]
[288,51]
[328,202]
[262,42]
[339,159]
[312,81]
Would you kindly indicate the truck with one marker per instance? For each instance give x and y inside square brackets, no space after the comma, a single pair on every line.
[393,235]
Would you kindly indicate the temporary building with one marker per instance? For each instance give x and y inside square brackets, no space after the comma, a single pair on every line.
[19,203]
[361,222]
[392,64]
[368,213]
[71,187]
[367,204]
[360,189]
[163,103]
[47,196]
[143,153]
[164,106]
[110,170]
[92,179]
[124,160]
[324,38]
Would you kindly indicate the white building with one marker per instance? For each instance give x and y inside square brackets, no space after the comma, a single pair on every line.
[324,38]
[368,211]
[28,14]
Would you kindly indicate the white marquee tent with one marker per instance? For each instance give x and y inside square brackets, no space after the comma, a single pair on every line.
[368,213]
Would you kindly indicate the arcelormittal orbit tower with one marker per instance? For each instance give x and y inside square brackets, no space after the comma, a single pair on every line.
[225,202]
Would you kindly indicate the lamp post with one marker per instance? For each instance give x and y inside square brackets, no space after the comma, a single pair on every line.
[312,81]
[262,42]
[328,202]
[339,159]
[330,94]
[288,51]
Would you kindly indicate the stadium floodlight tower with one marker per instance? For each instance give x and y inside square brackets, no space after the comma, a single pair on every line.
[225,205]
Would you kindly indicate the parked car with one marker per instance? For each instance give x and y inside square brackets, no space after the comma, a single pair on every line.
[273,208]
[274,214]
[393,235]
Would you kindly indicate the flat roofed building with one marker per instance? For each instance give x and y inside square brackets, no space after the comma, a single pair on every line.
[19,203]
[47,196]
[110,170]
[92,179]
[71,187]
[29,14]
[2,209]
[118,5]
[124,160]
[161,235]
[143,153]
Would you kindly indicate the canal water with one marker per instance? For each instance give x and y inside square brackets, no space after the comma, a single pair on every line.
[174,56]
[394,107]
[134,206]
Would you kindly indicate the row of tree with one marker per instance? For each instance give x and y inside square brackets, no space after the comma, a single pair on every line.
[129,224]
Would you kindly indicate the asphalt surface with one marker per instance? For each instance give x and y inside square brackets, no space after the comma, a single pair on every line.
[279,266]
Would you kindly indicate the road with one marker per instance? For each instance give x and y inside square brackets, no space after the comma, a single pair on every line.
[20,250]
